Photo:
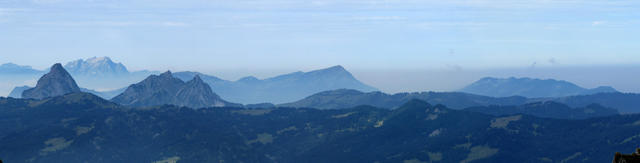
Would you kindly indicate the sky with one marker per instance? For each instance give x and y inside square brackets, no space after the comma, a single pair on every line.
[395,45]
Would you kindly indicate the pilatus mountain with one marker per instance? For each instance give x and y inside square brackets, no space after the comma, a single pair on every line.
[166,89]
[96,66]
[348,98]
[283,88]
[55,83]
[81,127]
[528,87]
[106,78]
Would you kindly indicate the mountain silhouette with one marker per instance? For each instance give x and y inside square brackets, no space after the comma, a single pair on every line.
[528,87]
[55,83]
[96,66]
[280,89]
[166,89]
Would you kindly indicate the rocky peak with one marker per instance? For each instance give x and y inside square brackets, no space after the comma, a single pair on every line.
[96,66]
[55,83]
[166,89]
[57,68]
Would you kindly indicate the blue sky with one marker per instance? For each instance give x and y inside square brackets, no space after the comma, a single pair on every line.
[266,37]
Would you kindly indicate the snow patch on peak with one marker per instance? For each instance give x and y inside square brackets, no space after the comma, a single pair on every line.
[98,59]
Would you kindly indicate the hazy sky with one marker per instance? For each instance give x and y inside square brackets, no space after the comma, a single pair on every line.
[373,38]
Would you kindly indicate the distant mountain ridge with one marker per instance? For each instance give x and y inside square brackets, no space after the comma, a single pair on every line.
[96,66]
[102,73]
[529,87]
[283,88]
[345,98]
[55,83]
[166,89]
[11,68]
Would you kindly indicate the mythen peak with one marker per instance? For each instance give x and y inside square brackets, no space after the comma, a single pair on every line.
[55,83]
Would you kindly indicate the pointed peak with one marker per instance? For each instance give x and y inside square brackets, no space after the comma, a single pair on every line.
[57,67]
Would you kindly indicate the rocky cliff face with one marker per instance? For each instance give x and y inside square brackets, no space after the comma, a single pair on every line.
[55,83]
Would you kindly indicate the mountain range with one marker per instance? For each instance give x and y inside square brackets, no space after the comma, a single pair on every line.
[528,87]
[166,89]
[96,73]
[283,88]
[14,69]
[345,98]
[348,98]
[81,127]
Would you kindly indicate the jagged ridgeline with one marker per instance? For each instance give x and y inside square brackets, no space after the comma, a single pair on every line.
[166,89]
[155,90]
[346,98]
[55,83]
[81,127]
